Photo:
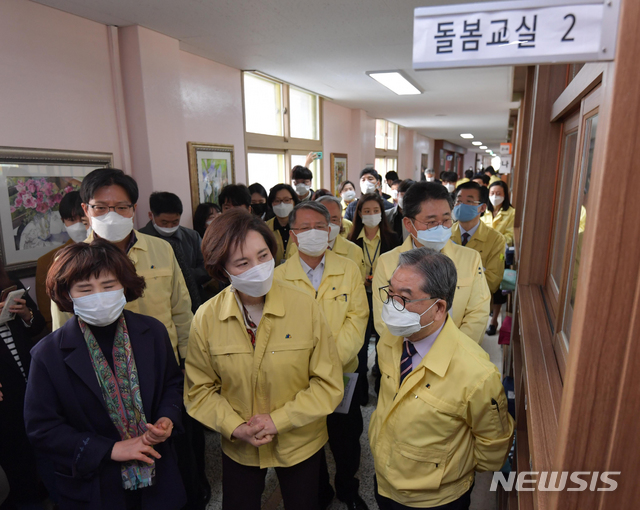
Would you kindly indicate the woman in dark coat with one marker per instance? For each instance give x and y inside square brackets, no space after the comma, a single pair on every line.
[16,339]
[105,390]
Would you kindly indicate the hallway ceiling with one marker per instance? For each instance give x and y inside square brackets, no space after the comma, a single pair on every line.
[326,46]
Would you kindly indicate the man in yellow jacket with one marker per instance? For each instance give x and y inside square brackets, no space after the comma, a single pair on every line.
[427,210]
[469,231]
[442,411]
[109,199]
[336,284]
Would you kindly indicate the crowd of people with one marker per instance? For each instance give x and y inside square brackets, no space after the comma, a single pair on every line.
[256,324]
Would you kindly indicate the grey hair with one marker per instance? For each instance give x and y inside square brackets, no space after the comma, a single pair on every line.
[438,271]
[330,198]
[430,171]
[312,206]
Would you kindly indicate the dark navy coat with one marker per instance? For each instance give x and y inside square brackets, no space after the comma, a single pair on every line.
[66,417]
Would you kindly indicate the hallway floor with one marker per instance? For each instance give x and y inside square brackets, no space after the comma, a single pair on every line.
[481,498]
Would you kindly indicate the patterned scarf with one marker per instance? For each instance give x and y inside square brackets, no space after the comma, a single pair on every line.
[121,393]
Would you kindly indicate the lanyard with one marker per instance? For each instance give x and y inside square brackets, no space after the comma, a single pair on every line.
[375,254]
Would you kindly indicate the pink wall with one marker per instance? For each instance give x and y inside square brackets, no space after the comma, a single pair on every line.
[423,145]
[57,90]
[363,142]
[212,106]
[336,137]
[406,158]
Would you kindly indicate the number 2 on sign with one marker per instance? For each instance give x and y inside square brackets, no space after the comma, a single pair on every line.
[573,22]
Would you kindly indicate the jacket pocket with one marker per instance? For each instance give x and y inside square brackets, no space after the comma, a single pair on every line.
[74,490]
[413,468]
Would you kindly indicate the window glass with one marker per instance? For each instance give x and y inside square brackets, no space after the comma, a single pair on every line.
[262,105]
[266,168]
[381,133]
[304,114]
[392,136]
[392,165]
[299,159]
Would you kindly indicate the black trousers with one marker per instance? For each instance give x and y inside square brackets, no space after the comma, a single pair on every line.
[242,486]
[190,448]
[462,503]
[362,386]
[344,440]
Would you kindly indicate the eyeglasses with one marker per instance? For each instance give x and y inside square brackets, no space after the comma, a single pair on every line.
[468,202]
[99,210]
[283,201]
[399,302]
[433,224]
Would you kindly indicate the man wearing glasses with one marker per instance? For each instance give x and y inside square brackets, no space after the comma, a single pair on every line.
[442,411]
[428,219]
[469,231]
[336,284]
[109,199]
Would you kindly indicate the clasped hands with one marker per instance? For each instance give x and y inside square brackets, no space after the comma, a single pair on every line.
[141,447]
[258,431]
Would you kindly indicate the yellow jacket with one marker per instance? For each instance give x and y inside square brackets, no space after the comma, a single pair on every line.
[461,181]
[294,374]
[346,227]
[42,268]
[448,419]
[503,222]
[165,297]
[490,244]
[494,178]
[341,297]
[342,247]
[280,254]
[470,310]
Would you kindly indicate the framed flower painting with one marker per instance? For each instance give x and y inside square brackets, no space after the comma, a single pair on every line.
[210,169]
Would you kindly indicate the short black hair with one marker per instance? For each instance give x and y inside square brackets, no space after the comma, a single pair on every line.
[278,187]
[405,185]
[236,194]
[103,177]
[422,192]
[202,212]
[372,171]
[70,206]
[300,172]
[397,181]
[164,202]
[256,187]
[490,170]
[468,174]
[475,186]
[449,177]
[485,178]
[391,176]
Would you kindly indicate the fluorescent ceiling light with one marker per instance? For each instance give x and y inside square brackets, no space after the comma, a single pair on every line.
[476,143]
[483,147]
[488,150]
[466,135]
[396,81]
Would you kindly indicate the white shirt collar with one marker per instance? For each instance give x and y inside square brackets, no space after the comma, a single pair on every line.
[471,231]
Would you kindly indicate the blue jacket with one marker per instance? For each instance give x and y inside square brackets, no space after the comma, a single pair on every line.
[66,417]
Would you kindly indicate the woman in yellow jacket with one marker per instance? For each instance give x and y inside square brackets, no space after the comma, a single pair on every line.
[282,199]
[262,369]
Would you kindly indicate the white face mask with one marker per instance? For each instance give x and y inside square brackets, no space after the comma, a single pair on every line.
[112,226]
[404,323]
[349,195]
[208,222]
[77,232]
[101,308]
[430,179]
[302,189]
[434,238]
[394,193]
[282,210]
[367,187]
[254,282]
[165,231]
[496,200]
[335,230]
[313,242]
[401,202]
[450,187]
[372,220]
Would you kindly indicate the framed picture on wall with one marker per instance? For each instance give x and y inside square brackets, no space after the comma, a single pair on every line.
[338,171]
[32,183]
[210,169]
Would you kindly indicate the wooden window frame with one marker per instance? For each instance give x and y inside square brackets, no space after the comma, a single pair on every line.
[387,153]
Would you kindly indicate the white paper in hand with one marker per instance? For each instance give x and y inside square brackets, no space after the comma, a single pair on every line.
[349,387]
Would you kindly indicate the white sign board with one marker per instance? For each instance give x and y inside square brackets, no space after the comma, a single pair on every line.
[505,164]
[514,32]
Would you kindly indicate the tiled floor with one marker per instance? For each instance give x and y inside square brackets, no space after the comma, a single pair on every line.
[481,498]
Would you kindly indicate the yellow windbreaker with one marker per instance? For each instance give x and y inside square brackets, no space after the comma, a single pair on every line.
[341,297]
[342,247]
[165,297]
[470,310]
[294,374]
[503,222]
[448,419]
[490,244]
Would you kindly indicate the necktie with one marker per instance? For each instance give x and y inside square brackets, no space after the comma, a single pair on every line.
[406,365]
[465,239]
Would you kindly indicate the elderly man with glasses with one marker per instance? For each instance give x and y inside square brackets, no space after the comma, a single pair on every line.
[442,411]
[428,219]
